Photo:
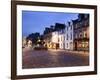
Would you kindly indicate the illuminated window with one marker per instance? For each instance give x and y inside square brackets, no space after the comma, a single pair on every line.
[85,34]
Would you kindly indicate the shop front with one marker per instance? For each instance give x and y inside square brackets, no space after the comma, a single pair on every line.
[81,45]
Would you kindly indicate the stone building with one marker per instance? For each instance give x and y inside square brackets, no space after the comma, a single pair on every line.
[69,36]
[81,32]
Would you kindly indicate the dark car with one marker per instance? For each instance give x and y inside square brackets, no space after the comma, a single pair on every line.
[40,47]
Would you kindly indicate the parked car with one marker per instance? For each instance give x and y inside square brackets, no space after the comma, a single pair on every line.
[40,47]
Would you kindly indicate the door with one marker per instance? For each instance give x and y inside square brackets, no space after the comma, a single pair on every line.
[75,45]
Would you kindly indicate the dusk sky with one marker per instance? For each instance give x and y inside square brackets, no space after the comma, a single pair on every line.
[33,21]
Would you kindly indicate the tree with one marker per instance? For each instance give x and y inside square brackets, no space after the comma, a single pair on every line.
[59,26]
[33,37]
[47,30]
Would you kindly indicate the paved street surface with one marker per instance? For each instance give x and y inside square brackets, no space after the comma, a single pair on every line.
[53,58]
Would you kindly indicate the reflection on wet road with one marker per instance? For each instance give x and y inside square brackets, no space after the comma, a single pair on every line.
[50,58]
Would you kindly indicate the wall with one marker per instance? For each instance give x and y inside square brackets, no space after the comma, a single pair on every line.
[5,37]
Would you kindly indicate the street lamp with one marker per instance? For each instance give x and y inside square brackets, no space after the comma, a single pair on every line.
[39,40]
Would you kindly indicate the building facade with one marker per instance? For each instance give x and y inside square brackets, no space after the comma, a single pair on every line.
[55,40]
[47,40]
[81,32]
[73,35]
[69,36]
[62,39]
[24,42]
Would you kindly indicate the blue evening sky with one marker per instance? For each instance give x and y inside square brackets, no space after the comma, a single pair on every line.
[33,21]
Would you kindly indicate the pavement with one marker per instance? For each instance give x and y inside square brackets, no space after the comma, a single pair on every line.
[85,53]
[53,58]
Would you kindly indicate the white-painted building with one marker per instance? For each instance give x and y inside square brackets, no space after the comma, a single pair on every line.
[24,42]
[55,36]
[29,44]
[58,38]
[62,39]
[55,40]
[66,37]
[69,36]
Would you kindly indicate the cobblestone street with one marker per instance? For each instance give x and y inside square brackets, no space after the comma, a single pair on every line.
[53,58]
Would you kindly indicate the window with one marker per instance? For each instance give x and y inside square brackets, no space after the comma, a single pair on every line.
[67,44]
[81,24]
[70,36]
[61,38]
[67,37]
[58,39]
[80,35]
[67,28]
[75,35]
[61,45]
[75,26]
[71,27]
[64,37]
[85,34]
[70,44]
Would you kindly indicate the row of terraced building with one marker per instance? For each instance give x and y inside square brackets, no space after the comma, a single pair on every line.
[73,35]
